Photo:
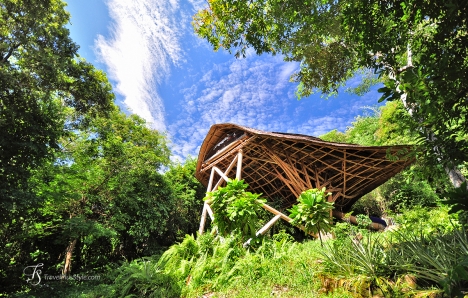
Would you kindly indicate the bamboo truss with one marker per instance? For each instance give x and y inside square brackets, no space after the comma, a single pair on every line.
[281,166]
[223,179]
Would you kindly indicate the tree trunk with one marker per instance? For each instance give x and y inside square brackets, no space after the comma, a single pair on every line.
[455,176]
[68,258]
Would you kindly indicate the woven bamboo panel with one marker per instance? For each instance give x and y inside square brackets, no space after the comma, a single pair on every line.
[281,166]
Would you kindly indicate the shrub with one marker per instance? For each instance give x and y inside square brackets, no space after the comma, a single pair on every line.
[313,211]
[236,209]
[404,192]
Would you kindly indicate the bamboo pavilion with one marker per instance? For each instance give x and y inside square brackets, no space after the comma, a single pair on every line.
[282,165]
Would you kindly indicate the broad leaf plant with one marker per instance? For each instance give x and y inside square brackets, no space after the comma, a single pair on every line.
[313,211]
[235,210]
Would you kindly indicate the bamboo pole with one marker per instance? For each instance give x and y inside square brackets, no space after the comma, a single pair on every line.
[210,212]
[353,220]
[276,212]
[289,170]
[344,173]
[211,163]
[268,225]
[284,217]
[210,183]
[239,165]
[285,181]
[317,181]
[264,229]
[203,219]
[304,168]
[221,174]
[231,165]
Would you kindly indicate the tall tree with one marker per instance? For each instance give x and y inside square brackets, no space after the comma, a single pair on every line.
[421,46]
[306,31]
[105,191]
[187,196]
[40,74]
[103,200]
[418,47]
[108,189]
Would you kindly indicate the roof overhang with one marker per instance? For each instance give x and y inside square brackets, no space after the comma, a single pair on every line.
[282,165]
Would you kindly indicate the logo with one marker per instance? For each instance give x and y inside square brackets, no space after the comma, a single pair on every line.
[34,274]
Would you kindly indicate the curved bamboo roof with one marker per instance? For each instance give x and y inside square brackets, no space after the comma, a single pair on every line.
[282,165]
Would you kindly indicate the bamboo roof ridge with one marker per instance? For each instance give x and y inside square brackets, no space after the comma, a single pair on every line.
[282,165]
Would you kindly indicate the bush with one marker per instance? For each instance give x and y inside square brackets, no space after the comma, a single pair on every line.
[313,211]
[427,221]
[236,209]
[407,192]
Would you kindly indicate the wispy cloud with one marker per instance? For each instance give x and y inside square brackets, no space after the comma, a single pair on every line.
[255,92]
[143,45]
[250,92]
[149,37]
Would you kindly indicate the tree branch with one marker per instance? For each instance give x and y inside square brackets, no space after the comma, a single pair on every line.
[4,59]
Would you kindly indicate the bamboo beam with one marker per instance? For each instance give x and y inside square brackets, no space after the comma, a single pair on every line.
[284,217]
[226,178]
[210,212]
[231,165]
[261,159]
[292,175]
[306,174]
[276,212]
[353,220]
[227,148]
[344,173]
[266,227]
[285,181]
[317,179]
[211,163]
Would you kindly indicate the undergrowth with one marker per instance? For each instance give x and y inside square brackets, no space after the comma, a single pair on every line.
[431,261]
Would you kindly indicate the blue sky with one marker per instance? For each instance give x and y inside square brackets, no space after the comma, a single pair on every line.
[161,71]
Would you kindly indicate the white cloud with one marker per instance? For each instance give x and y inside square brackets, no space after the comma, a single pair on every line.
[149,37]
[143,45]
[322,125]
[198,4]
[253,92]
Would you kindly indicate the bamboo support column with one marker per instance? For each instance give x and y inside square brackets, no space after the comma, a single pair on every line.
[210,182]
[231,165]
[224,176]
[284,217]
[239,165]
[203,219]
[268,225]
[220,173]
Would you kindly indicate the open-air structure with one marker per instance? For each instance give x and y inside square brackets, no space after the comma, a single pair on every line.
[282,165]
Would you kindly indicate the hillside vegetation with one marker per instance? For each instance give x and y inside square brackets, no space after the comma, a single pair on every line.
[92,206]
[424,255]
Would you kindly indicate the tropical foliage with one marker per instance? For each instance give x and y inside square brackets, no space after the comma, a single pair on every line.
[46,92]
[236,210]
[313,211]
[87,190]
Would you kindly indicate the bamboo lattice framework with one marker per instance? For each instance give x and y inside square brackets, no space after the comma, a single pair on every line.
[282,165]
